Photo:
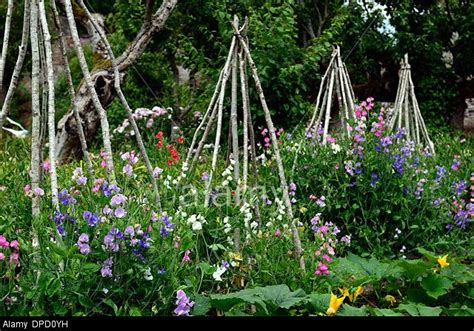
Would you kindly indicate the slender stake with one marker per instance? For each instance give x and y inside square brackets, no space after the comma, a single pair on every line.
[276,149]
[51,105]
[18,64]
[72,92]
[125,104]
[35,111]
[6,38]
[90,86]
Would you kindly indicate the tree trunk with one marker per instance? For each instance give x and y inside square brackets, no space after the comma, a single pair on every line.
[6,38]
[68,145]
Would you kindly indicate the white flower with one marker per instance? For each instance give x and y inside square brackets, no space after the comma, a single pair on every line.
[148,275]
[218,273]
[197,226]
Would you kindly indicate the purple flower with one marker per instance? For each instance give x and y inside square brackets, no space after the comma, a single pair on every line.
[375,179]
[84,238]
[120,212]
[458,187]
[321,201]
[106,270]
[186,256]
[346,239]
[183,304]
[65,198]
[440,173]
[128,170]
[109,243]
[91,218]
[398,164]
[61,231]
[168,226]
[107,210]
[157,172]
[118,199]
[205,176]
[129,231]
[84,248]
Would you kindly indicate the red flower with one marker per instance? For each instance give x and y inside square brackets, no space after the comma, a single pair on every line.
[159,144]
[159,135]
[180,140]
[170,162]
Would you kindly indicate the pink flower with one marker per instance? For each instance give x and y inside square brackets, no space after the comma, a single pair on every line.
[2,256]
[103,164]
[128,170]
[46,166]
[323,228]
[326,258]
[4,242]
[186,256]
[15,244]
[277,233]
[15,258]
[330,139]
[39,191]
[27,189]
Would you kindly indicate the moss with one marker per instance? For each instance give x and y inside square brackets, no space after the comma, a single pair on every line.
[77,10]
[99,62]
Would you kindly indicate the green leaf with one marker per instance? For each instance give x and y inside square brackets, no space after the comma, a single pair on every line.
[348,310]
[413,269]
[135,311]
[201,305]
[419,310]
[384,312]
[319,301]
[91,268]
[436,285]
[112,305]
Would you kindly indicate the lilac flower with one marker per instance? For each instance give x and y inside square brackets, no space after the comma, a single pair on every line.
[375,179]
[106,270]
[58,217]
[81,180]
[321,201]
[456,163]
[84,238]
[398,164]
[120,212]
[400,133]
[91,218]
[419,188]
[128,170]
[162,271]
[461,219]
[129,231]
[66,198]
[440,173]
[109,243]
[346,239]
[183,304]
[61,231]
[157,172]
[205,176]
[107,210]
[458,187]
[168,226]
[153,216]
[438,201]
[38,191]
[84,248]
[117,199]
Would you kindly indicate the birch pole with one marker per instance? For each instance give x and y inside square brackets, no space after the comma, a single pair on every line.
[6,38]
[72,92]
[51,105]
[245,109]
[124,102]
[90,86]
[219,121]
[233,113]
[18,65]
[35,111]
[271,129]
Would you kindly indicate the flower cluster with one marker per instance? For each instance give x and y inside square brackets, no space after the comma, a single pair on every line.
[141,114]
[79,177]
[83,244]
[131,159]
[326,236]
[183,304]
[196,222]
[12,248]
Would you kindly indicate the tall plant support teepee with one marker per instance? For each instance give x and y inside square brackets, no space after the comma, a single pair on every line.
[335,82]
[406,112]
[235,70]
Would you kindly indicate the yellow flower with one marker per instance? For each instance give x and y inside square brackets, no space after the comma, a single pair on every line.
[345,293]
[391,299]
[334,304]
[303,210]
[443,261]
[358,292]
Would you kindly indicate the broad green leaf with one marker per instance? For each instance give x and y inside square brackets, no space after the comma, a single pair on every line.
[201,305]
[419,310]
[348,310]
[384,312]
[319,301]
[436,285]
